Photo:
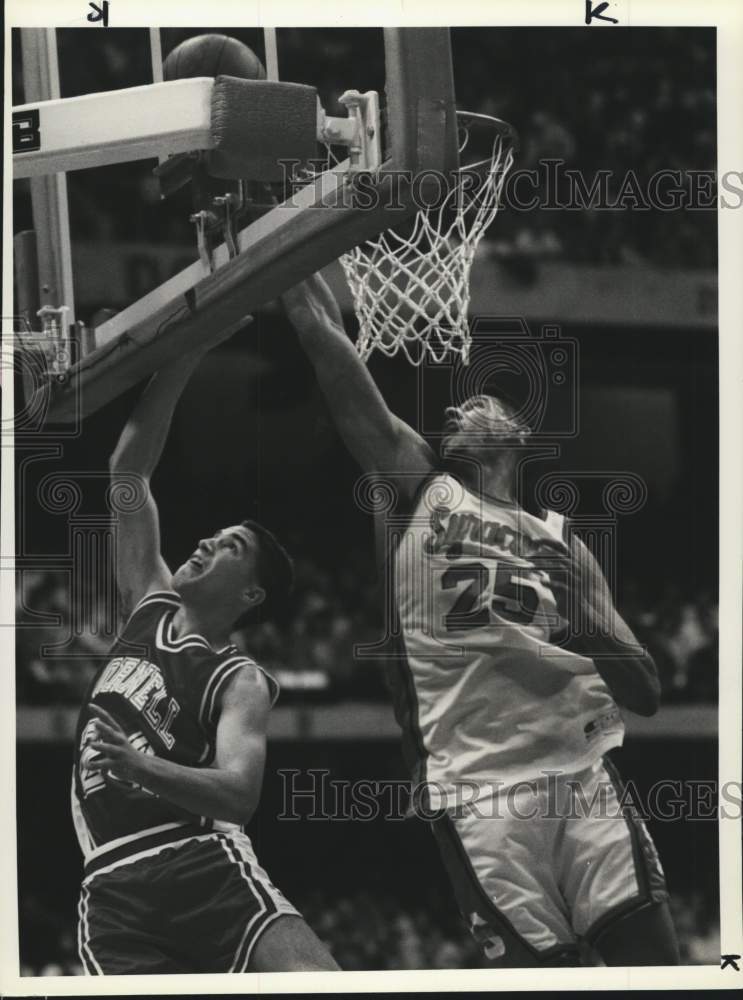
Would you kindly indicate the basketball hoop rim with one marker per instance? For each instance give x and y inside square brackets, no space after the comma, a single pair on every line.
[411,290]
[503,129]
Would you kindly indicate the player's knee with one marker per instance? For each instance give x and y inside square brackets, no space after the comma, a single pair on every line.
[315,959]
[289,945]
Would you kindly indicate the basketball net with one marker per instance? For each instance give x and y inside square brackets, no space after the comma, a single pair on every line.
[411,286]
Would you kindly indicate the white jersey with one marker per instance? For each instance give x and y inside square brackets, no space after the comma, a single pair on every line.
[486,696]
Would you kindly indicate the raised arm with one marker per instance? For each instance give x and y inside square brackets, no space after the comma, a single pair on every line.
[139,565]
[378,440]
[627,669]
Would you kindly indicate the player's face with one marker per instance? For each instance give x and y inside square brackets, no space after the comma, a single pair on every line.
[477,428]
[221,566]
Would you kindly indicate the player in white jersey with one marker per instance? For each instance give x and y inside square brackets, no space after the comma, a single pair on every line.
[511,662]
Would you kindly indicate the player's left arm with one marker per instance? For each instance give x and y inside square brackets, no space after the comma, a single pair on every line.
[626,667]
[230,789]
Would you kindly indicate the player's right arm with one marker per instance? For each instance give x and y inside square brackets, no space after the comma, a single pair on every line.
[140,566]
[625,666]
[379,441]
[229,789]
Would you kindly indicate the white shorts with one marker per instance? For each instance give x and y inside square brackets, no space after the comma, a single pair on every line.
[542,867]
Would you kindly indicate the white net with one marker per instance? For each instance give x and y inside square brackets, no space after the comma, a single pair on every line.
[411,285]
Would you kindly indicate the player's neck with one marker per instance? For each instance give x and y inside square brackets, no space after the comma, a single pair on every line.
[192,621]
[494,476]
[497,481]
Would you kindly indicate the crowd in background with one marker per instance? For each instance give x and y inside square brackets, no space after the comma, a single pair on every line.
[369,931]
[333,611]
[637,107]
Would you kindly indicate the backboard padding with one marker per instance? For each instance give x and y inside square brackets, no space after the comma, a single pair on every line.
[421,106]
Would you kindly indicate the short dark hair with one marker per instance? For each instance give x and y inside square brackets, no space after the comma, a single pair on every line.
[275,574]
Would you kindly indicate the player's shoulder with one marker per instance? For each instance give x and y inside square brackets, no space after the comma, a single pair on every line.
[557,525]
[236,679]
[156,598]
[239,676]
[149,608]
[440,486]
[249,678]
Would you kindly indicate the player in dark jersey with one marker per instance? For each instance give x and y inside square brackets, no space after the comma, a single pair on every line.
[170,746]
[486,698]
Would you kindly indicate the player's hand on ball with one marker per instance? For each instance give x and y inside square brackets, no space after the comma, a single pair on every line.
[114,752]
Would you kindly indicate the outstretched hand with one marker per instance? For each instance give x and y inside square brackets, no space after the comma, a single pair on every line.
[115,754]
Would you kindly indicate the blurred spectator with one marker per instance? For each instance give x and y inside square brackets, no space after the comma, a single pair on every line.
[641,106]
[702,679]
[334,611]
[55,661]
[697,929]
[681,635]
[371,931]
[48,943]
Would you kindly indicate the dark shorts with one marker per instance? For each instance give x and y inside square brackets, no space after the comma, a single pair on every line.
[196,906]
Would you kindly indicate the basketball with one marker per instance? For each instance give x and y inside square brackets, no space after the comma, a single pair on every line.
[213,55]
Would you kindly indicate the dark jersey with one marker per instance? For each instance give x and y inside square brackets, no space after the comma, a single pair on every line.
[165,694]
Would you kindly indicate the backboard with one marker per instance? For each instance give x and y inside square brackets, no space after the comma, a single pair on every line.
[310,228]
